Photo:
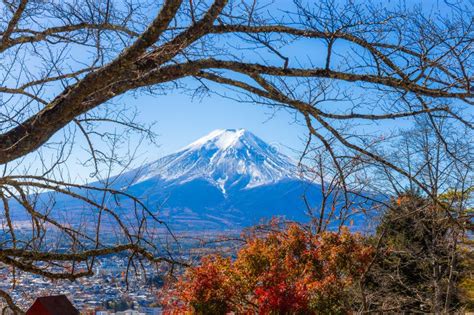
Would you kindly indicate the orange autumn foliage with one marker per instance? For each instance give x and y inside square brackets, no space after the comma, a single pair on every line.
[278,272]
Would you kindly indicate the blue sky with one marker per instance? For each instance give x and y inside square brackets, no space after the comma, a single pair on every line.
[180,119]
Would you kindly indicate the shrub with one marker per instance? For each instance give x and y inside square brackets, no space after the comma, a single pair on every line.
[279,271]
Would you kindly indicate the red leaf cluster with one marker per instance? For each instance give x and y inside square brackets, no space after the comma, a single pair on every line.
[282,271]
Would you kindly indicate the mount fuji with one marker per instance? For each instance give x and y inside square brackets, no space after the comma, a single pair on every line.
[227,179]
[228,159]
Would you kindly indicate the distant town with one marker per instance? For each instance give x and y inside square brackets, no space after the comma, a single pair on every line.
[109,291]
[106,292]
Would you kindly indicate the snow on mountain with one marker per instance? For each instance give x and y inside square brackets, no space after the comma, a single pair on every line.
[228,159]
[228,179]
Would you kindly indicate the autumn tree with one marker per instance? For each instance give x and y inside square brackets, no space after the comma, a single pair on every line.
[277,271]
[65,65]
[421,238]
[419,262]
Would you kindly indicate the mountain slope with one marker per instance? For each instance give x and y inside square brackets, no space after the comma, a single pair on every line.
[229,159]
[226,179]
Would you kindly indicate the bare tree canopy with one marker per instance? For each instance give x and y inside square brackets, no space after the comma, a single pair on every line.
[404,53]
[338,65]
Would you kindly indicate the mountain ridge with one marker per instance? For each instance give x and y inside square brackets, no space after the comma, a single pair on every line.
[226,158]
[228,179]
[225,179]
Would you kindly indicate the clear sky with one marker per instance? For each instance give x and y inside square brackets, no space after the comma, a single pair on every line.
[180,119]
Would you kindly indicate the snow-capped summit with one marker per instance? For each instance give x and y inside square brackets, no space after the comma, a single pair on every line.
[228,179]
[221,138]
[226,158]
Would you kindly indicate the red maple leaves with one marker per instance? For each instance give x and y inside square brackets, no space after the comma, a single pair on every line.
[281,271]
